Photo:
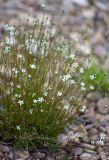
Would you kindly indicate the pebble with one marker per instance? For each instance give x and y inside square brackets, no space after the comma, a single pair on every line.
[76,151]
[83,3]
[102,4]
[4,149]
[38,155]
[103,106]
[102,154]
[88,146]
[90,151]
[94,96]
[72,136]
[93,138]
[63,139]
[93,134]
[87,156]
[1,154]
[93,131]
[20,154]
[100,51]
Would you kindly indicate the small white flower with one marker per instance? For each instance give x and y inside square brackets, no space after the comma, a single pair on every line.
[10,41]
[31,111]
[49,88]
[40,99]
[23,70]
[8,91]
[12,84]
[9,27]
[42,110]
[19,56]
[16,71]
[43,5]
[83,108]
[13,69]
[91,87]
[18,95]
[83,88]
[100,142]
[72,81]
[81,70]
[92,142]
[31,45]
[20,102]
[7,49]
[34,94]
[18,128]
[35,100]
[92,77]
[67,106]
[45,93]
[18,86]
[33,66]
[72,56]
[102,135]
[66,77]
[82,84]
[75,65]
[29,75]
[78,134]
[59,94]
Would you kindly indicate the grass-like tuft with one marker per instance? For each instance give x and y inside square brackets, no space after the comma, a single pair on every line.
[42,84]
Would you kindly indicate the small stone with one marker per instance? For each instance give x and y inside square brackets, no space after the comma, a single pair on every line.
[102,4]
[87,156]
[63,139]
[106,64]
[85,139]
[94,96]
[102,153]
[77,151]
[88,13]
[61,155]
[38,155]
[20,154]
[98,38]
[103,106]
[89,151]
[93,131]
[93,137]
[4,148]
[88,146]
[72,136]
[1,155]
[10,155]
[107,129]
[93,134]
[49,158]
[100,51]
[66,130]
[83,3]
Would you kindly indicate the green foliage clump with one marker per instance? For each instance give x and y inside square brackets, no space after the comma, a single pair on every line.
[42,84]
[99,78]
